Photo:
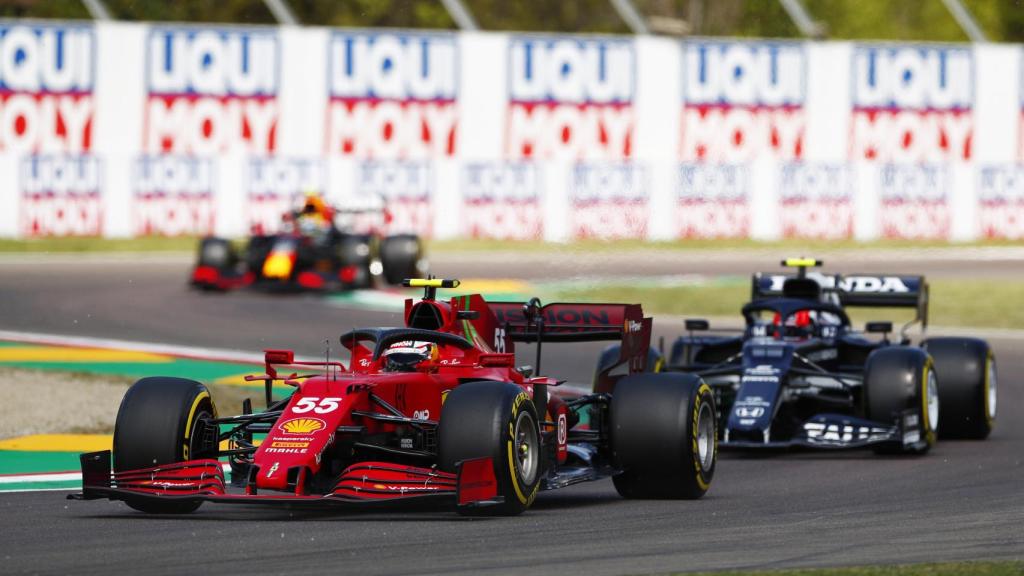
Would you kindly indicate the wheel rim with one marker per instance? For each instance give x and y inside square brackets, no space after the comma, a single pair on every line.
[991,390]
[195,441]
[932,389]
[527,450]
[705,436]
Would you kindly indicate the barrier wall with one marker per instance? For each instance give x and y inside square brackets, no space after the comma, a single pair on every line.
[129,129]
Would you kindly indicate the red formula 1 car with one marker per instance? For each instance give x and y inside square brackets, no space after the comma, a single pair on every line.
[436,409]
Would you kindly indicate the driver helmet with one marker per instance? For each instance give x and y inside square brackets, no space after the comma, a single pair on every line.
[805,322]
[314,206]
[798,325]
[405,356]
[799,319]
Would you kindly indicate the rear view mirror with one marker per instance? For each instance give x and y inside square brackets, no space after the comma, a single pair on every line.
[878,327]
[696,324]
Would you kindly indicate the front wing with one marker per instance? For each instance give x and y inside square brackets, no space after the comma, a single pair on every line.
[840,431]
[362,484]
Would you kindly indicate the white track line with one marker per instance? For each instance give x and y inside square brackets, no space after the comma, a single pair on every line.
[43,477]
[18,490]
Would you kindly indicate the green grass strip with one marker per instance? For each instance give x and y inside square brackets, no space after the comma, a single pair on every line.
[97,244]
[967,302]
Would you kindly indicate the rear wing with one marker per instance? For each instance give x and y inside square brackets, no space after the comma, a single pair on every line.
[579,322]
[566,322]
[854,290]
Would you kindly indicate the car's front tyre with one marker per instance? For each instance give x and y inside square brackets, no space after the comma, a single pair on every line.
[496,420]
[158,423]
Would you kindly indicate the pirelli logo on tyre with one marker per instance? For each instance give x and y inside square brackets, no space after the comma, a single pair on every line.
[525,494]
[704,467]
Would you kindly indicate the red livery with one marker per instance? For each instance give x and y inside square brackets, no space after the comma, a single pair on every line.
[435,409]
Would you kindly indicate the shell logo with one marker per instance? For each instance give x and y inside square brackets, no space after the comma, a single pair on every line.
[302,425]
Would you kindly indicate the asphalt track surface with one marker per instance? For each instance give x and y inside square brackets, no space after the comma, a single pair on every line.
[963,501]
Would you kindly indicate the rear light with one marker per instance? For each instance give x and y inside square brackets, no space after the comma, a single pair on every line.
[279,356]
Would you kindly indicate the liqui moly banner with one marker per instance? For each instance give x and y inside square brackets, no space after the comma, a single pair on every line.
[770,139]
[570,98]
[392,95]
[47,73]
[914,201]
[1020,102]
[712,201]
[173,195]
[276,185]
[211,91]
[403,189]
[912,103]
[609,200]
[817,200]
[1001,202]
[743,100]
[61,195]
[502,200]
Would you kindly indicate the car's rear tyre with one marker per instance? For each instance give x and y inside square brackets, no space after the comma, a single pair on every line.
[357,252]
[966,370]
[157,424]
[402,257]
[664,436]
[495,419]
[898,379]
[256,252]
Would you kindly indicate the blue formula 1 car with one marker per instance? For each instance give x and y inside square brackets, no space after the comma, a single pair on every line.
[799,374]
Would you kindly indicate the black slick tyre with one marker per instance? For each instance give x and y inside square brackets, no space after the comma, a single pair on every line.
[897,380]
[966,371]
[664,436]
[400,256]
[217,253]
[495,419]
[357,251]
[157,424]
[256,252]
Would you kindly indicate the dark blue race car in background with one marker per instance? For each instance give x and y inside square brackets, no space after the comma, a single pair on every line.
[799,374]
